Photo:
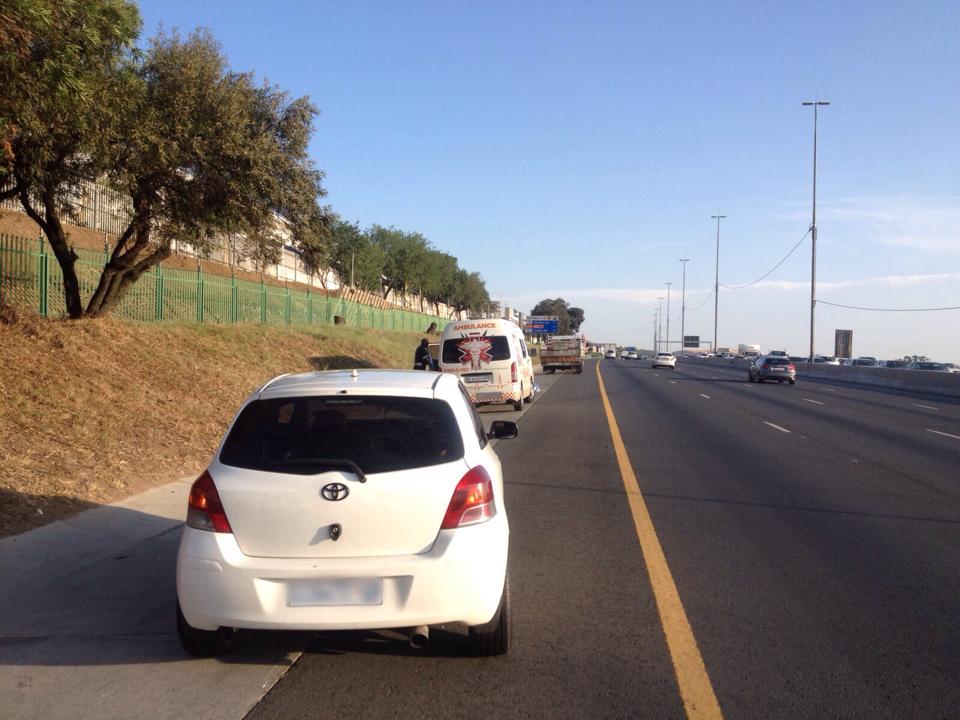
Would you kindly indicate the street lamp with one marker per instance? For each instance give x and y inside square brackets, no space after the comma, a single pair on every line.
[813,224]
[668,315]
[683,304]
[654,331]
[659,323]
[716,283]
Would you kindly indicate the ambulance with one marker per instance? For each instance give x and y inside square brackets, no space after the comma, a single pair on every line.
[492,360]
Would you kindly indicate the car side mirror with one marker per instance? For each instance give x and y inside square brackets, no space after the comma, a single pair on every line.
[503,430]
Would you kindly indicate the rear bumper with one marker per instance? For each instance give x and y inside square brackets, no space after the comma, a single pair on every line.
[459,579]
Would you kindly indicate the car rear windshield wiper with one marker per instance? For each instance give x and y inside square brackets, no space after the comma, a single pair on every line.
[327,462]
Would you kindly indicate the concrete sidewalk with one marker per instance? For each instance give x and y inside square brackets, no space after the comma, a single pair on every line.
[87,623]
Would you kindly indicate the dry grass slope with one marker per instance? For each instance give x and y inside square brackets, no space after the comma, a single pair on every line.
[93,411]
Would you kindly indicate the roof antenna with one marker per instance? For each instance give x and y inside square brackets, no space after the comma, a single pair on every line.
[354,373]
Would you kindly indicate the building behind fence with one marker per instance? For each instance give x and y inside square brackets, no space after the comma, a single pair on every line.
[30,278]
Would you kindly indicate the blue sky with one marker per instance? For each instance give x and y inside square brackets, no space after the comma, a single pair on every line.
[579,149]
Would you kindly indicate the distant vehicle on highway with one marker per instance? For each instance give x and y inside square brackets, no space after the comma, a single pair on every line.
[777,353]
[562,352]
[952,367]
[893,363]
[825,360]
[775,367]
[864,361]
[349,500]
[930,366]
[665,359]
[624,354]
[631,355]
[612,354]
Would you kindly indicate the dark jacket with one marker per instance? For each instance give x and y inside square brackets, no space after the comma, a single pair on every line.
[422,359]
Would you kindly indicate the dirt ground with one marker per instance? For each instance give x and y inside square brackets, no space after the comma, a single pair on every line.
[92,411]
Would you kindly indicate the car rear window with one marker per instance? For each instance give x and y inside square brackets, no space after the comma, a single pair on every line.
[380,434]
[778,361]
[475,349]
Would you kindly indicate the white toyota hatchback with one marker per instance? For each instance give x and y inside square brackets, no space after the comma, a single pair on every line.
[366,499]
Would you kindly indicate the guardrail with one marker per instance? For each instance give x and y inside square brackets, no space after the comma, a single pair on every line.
[920,381]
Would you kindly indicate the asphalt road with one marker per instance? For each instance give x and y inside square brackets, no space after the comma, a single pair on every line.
[812,534]
[793,554]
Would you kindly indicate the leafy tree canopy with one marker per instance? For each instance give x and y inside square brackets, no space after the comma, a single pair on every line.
[571,318]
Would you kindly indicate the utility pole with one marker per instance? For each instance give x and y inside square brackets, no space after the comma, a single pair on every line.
[659,323]
[683,304]
[813,226]
[654,332]
[668,315]
[716,283]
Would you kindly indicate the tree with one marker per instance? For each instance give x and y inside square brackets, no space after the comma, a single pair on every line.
[355,257]
[469,292]
[201,150]
[571,318]
[404,257]
[63,64]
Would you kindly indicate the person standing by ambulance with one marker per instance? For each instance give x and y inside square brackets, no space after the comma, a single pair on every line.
[421,358]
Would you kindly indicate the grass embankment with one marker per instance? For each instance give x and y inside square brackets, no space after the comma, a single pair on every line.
[97,410]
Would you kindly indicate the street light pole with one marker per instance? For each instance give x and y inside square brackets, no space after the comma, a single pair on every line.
[654,332]
[659,323]
[716,283]
[813,225]
[683,304]
[668,315]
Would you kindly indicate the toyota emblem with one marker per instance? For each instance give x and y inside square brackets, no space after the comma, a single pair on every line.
[334,491]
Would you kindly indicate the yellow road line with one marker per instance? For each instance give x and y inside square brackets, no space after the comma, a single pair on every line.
[696,691]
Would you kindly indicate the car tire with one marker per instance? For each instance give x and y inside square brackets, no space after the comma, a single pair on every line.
[204,643]
[493,638]
[518,405]
[793,382]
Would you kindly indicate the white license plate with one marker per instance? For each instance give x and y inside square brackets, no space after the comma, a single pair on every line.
[486,377]
[348,591]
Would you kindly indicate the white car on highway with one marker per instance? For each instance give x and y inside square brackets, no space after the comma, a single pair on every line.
[665,359]
[343,500]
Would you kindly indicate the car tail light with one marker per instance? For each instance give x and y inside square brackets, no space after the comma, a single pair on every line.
[513,372]
[472,501]
[204,509]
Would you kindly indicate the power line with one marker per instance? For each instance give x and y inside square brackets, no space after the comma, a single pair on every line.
[793,250]
[709,295]
[855,307]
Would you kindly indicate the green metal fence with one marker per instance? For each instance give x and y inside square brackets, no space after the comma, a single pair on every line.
[30,278]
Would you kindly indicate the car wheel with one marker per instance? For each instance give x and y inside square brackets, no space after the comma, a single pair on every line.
[203,643]
[518,405]
[493,638]
[793,382]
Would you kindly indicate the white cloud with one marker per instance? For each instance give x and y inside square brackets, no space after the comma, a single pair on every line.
[926,225]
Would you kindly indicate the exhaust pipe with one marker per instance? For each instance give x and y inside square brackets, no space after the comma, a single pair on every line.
[420,637]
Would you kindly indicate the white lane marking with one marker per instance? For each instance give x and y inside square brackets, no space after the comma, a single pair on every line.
[714,377]
[673,382]
[776,427]
[926,407]
[829,389]
[813,401]
[704,396]
[955,437]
